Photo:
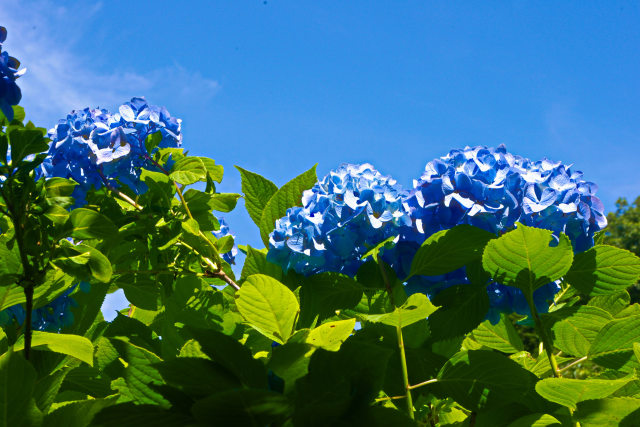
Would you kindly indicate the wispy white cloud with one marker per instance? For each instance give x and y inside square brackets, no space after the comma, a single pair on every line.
[44,36]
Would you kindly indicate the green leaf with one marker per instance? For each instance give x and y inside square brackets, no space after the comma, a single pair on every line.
[243,407]
[575,334]
[448,250]
[24,142]
[4,144]
[331,335]
[197,376]
[417,307]
[613,346]
[73,345]
[374,251]
[98,264]
[484,379]
[224,202]
[57,214]
[130,414]
[288,196]
[77,413]
[523,258]
[536,420]
[291,361]
[18,113]
[188,170]
[322,294]
[269,306]
[140,376]
[612,303]
[610,412]
[604,270]
[10,267]
[340,381]
[54,284]
[152,141]
[462,308]
[89,224]
[141,291]
[256,263]
[233,356]
[257,192]
[47,388]
[194,238]
[58,187]
[636,350]
[215,172]
[161,189]
[17,381]
[502,336]
[568,392]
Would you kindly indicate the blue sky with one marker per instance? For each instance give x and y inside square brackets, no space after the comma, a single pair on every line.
[277,86]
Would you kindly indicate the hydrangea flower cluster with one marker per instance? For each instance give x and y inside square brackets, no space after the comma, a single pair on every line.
[349,211]
[493,189]
[355,208]
[10,93]
[50,318]
[224,230]
[96,148]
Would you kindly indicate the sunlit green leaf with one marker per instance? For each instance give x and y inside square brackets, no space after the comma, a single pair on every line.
[524,259]
[448,250]
[604,270]
[330,336]
[257,192]
[568,392]
[89,224]
[73,345]
[288,196]
[269,306]
[417,307]
[188,170]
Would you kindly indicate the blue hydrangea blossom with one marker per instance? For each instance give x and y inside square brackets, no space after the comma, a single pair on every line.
[96,148]
[52,317]
[346,213]
[10,93]
[493,189]
[223,231]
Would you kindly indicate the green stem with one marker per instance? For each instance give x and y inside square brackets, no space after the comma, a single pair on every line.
[405,372]
[403,357]
[217,268]
[431,381]
[216,271]
[28,293]
[184,202]
[546,339]
[574,363]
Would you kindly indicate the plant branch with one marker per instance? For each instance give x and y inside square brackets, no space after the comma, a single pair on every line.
[403,357]
[223,276]
[384,399]
[575,362]
[431,381]
[28,292]
[545,338]
[117,192]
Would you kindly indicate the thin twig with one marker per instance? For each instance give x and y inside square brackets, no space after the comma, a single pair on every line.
[228,280]
[574,363]
[434,380]
[384,399]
